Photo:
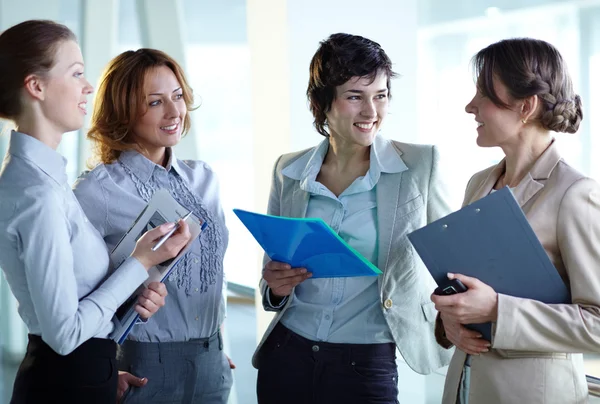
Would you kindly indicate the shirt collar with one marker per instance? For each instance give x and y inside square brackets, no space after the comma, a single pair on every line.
[143,168]
[43,156]
[385,158]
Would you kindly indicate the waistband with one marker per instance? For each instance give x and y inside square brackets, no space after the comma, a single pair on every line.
[291,339]
[160,350]
[94,347]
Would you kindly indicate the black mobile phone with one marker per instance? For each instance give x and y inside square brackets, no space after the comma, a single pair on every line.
[450,287]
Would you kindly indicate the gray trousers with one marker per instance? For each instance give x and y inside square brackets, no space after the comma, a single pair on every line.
[190,372]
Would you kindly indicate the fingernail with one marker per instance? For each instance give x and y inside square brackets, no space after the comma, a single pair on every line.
[309,274]
[485,350]
[303,271]
[450,275]
[169,226]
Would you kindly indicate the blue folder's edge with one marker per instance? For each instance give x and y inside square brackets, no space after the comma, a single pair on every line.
[320,222]
[356,253]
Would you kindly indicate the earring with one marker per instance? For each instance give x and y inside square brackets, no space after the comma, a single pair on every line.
[524,120]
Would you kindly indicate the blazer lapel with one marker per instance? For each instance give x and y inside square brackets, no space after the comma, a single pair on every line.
[299,201]
[540,171]
[529,185]
[486,186]
[388,199]
[526,189]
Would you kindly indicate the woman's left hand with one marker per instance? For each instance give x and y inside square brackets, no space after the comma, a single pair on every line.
[152,299]
[479,304]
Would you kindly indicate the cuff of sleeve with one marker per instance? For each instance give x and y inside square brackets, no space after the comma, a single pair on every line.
[502,332]
[440,333]
[125,280]
[271,306]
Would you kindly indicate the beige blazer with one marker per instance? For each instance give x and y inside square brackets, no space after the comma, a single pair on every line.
[406,201]
[535,356]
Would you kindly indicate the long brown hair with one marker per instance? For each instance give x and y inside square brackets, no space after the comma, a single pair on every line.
[529,67]
[120,101]
[25,49]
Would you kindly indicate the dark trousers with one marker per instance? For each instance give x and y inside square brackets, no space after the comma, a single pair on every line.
[295,370]
[87,375]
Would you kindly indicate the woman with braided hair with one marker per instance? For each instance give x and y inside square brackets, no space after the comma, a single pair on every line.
[524,93]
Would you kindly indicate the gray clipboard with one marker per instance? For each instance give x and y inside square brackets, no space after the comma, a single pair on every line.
[491,240]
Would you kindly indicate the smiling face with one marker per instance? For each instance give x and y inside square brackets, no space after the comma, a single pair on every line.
[161,123]
[66,89]
[358,110]
[496,126]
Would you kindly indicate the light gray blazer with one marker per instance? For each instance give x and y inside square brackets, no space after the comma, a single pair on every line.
[406,201]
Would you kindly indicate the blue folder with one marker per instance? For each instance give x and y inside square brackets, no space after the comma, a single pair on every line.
[491,240]
[307,243]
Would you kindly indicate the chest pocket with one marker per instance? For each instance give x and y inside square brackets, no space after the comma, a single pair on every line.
[410,206]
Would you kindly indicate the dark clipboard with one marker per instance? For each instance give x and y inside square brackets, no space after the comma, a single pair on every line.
[491,240]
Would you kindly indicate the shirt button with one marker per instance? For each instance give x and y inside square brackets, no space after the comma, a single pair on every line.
[195,260]
[327,317]
[388,304]
[315,348]
[195,290]
[196,318]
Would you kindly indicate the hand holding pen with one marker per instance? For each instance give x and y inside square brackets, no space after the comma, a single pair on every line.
[170,233]
[149,253]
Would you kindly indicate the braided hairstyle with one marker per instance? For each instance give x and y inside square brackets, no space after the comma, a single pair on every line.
[529,67]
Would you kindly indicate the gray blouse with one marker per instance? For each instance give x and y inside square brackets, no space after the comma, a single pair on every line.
[113,195]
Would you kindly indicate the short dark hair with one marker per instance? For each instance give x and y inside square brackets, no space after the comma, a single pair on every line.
[26,48]
[339,58]
[529,67]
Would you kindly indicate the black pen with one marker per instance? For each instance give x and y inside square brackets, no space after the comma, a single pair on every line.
[170,233]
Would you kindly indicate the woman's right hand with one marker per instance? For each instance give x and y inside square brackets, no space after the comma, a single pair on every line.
[143,247]
[282,278]
[466,340]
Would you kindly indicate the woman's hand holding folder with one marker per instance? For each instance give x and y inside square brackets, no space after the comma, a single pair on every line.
[151,299]
[479,304]
[282,278]
[466,340]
